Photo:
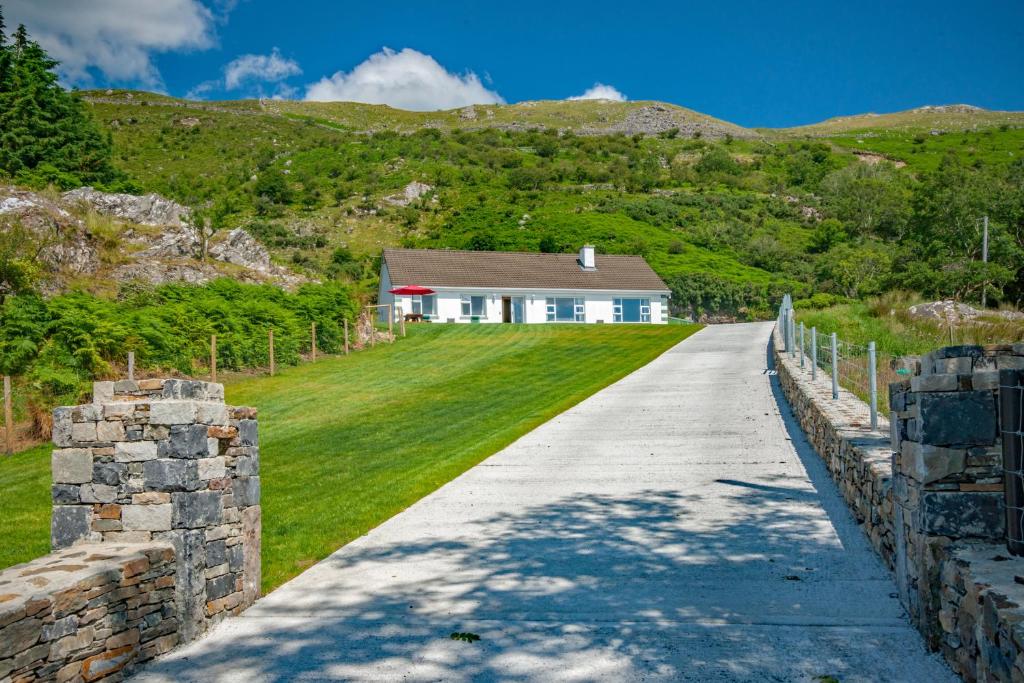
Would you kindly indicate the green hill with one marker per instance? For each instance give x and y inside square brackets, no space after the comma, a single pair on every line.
[730,217]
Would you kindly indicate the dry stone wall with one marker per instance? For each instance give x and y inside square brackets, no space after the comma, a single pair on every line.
[87,612]
[154,466]
[858,458]
[931,498]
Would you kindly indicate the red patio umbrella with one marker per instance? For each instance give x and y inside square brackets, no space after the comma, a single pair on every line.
[415,290]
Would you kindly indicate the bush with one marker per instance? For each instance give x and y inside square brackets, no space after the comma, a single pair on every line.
[62,344]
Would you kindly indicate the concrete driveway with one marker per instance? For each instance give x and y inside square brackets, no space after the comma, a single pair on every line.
[675,526]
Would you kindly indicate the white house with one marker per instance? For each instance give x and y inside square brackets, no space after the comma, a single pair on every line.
[514,287]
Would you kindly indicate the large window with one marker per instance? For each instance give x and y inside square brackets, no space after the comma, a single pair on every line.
[472,306]
[631,310]
[565,310]
[424,305]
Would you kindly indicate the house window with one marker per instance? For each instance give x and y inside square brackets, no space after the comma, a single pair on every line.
[631,310]
[424,305]
[565,310]
[472,305]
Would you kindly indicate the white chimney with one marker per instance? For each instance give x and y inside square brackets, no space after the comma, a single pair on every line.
[587,261]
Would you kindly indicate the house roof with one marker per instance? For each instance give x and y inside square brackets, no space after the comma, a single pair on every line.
[518,270]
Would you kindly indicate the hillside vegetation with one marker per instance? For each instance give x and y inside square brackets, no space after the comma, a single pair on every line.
[730,221]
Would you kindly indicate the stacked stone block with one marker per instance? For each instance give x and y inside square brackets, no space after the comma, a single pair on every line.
[165,460]
[87,613]
[947,466]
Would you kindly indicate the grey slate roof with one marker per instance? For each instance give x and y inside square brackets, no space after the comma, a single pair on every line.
[506,269]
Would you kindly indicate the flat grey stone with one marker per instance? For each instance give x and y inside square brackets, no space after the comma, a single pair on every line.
[71,465]
[246,491]
[958,418]
[171,474]
[198,509]
[69,523]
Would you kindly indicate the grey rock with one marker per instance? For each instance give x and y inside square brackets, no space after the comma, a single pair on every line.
[68,524]
[216,553]
[171,474]
[60,628]
[198,509]
[247,433]
[71,465]
[958,418]
[149,209]
[98,493]
[963,515]
[62,427]
[247,466]
[65,494]
[184,441]
[246,491]
[108,473]
[147,517]
[236,557]
[172,412]
[220,586]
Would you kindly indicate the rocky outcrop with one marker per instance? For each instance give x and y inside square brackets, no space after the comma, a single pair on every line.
[949,311]
[411,193]
[147,209]
[62,240]
[67,248]
[655,118]
[242,249]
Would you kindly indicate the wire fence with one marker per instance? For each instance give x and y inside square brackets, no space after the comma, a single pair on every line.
[855,367]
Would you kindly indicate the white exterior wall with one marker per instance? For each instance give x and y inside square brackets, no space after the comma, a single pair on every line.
[597,304]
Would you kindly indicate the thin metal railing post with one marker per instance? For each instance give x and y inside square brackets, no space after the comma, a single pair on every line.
[801,345]
[873,383]
[785,330]
[835,366]
[792,336]
[814,353]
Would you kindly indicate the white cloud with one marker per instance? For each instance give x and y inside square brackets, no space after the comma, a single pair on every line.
[600,91]
[250,72]
[268,68]
[405,80]
[117,37]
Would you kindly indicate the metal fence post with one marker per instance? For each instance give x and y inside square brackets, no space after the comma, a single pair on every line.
[801,345]
[785,329]
[814,353]
[835,367]
[792,335]
[873,384]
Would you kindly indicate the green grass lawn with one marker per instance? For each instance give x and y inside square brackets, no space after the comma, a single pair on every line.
[347,443]
[24,505]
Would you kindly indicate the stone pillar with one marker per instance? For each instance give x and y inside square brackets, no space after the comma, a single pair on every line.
[165,460]
[947,466]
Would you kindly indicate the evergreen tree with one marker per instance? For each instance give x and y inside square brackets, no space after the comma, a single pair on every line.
[46,135]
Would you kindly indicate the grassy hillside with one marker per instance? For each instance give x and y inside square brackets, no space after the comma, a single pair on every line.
[946,117]
[348,442]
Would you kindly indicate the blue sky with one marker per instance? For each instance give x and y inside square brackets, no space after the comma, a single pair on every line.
[754,63]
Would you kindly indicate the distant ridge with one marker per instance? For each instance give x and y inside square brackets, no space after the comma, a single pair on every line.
[583,117]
